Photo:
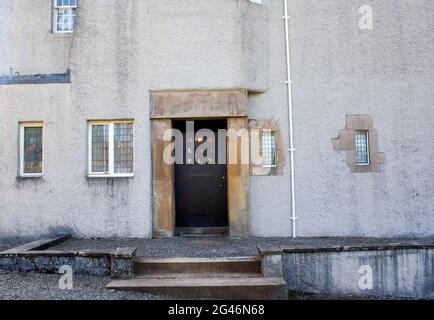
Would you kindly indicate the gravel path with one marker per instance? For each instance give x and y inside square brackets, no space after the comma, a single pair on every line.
[218,246]
[36,286]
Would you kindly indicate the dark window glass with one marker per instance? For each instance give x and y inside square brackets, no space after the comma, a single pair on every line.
[362,148]
[32,150]
[100,148]
[123,148]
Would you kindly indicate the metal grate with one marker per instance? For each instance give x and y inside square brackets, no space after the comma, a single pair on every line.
[362,147]
[100,148]
[269,148]
[32,150]
[123,148]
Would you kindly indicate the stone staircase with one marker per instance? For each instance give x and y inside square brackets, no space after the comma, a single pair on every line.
[219,278]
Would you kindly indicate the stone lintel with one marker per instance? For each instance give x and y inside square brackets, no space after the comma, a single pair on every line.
[198,104]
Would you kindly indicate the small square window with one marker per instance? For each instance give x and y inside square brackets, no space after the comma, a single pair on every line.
[65,16]
[269,148]
[31,149]
[111,148]
[362,147]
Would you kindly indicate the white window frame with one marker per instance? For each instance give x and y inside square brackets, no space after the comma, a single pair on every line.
[55,7]
[368,151]
[111,165]
[273,133]
[24,125]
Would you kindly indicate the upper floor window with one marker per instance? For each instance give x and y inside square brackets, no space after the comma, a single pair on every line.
[65,15]
[31,149]
[111,148]
[362,147]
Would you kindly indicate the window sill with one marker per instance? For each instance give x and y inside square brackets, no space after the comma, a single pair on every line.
[36,175]
[30,177]
[110,176]
[60,35]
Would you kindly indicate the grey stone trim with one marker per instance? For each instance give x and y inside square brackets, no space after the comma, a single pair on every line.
[36,78]
[37,245]
[381,246]
[271,262]
[32,256]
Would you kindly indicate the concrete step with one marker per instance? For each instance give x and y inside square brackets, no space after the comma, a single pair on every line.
[197,265]
[228,287]
[227,275]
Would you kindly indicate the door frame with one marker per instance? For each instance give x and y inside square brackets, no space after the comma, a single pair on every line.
[170,105]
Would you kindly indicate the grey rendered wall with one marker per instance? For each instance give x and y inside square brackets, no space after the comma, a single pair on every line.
[339,69]
[29,46]
[6,36]
[116,57]
[270,200]
[387,73]
[132,47]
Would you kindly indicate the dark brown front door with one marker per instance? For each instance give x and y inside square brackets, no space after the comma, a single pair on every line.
[200,188]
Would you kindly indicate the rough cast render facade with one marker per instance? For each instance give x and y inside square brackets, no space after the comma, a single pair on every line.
[128,59]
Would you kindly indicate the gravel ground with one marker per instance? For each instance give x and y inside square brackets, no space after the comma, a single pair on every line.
[218,246]
[37,286]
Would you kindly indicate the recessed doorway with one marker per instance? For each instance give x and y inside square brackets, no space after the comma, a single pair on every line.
[201,200]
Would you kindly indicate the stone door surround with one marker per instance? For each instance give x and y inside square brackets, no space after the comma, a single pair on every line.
[168,105]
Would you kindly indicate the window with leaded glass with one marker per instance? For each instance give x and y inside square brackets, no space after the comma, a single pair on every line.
[269,148]
[100,148]
[362,147]
[123,148]
[65,16]
[111,146]
[31,145]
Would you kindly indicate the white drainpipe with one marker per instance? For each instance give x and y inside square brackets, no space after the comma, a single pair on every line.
[291,131]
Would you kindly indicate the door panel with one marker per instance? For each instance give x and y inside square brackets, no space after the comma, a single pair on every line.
[201,189]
